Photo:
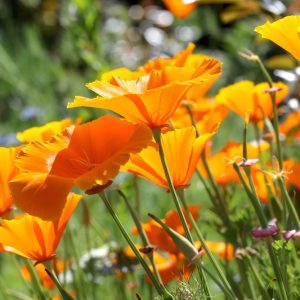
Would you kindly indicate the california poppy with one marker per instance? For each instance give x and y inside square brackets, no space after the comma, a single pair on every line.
[293,171]
[245,97]
[34,238]
[45,279]
[222,249]
[182,150]
[153,97]
[159,237]
[89,157]
[186,58]
[7,172]
[172,267]
[283,32]
[207,113]
[43,133]
[290,127]
[220,163]
[179,8]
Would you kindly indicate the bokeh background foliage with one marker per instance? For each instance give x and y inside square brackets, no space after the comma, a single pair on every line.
[50,48]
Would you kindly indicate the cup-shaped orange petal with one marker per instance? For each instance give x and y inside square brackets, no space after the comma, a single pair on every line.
[34,238]
[182,150]
[246,97]
[7,171]
[283,32]
[89,157]
[153,97]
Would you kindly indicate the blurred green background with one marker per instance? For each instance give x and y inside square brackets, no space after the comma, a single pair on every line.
[50,48]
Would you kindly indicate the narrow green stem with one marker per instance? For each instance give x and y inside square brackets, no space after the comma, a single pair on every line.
[3,291]
[219,197]
[157,137]
[89,246]
[160,289]
[275,112]
[227,288]
[35,281]
[263,222]
[287,199]
[78,272]
[62,291]
[246,279]
[271,195]
[142,234]
[254,201]
[219,204]
[258,280]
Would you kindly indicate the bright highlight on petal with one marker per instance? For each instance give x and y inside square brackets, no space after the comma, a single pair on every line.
[283,32]
[34,238]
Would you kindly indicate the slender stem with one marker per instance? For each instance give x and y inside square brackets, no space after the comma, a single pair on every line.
[263,222]
[275,112]
[3,291]
[79,274]
[288,201]
[142,234]
[35,281]
[157,137]
[160,289]
[219,197]
[89,246]
[254,201]
[227,288]
[246,279]
[62,291]
[258,280]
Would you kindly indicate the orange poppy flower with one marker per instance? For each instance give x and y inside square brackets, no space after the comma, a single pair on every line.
[283,32]
[246,97]
[43,133]
[293,172]
[186,58]
[291,125]
[151,98]
[7,172]
[179,8]
[34,238]
[45,279]
[220,163]
[182,150]
[159,237]
[207,114]
[171,267]
[261,181]
[222,249]
[89,157]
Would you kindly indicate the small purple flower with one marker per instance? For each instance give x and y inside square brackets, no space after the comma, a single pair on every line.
[272,89]
[247,162]
[271,230]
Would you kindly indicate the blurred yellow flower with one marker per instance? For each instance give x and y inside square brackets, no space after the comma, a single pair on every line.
[283,32]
